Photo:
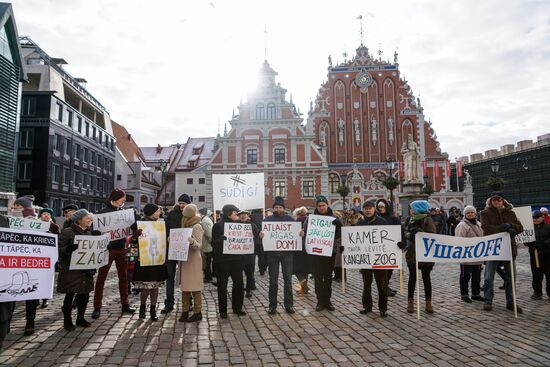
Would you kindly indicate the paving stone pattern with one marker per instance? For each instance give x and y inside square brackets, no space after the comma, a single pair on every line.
[457,334]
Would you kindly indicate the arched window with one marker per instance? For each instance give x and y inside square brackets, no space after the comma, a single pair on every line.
[260,111]
[333,182]
[271,113]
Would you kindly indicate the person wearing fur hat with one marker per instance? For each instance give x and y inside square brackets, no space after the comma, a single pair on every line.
[173,220]
[189,275]
[419,221]
[540,248]
[497,217]
[117,254]
[76,284]
[207,225]
[323,265]
[228,265]
[469,226]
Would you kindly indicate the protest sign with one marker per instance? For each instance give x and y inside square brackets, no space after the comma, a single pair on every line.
[525,216]
[152,243]
[282,236]
[29,224]
[320,235]
[240,239]
[178,248]
[371,247]
[432,247]
[27,260]
[91,253]
[245,191]
[116,223]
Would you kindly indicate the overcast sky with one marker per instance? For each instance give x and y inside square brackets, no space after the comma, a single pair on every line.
[169,70]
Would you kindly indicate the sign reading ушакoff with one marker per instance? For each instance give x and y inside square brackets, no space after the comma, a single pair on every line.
[245,191]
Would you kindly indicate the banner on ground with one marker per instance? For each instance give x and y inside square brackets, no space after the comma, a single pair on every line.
[179,244]
[371,247]
[29,224]
[152,243]
[117,223]
[240,239]
[282,236]
[320,235]
[245,191]
[27,260]
[439,248]
[525,216]
[91,253]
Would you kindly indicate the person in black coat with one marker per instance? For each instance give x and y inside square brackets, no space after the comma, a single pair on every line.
[6,308]
[228,265]
[541,249]
[249,260]
[75,282]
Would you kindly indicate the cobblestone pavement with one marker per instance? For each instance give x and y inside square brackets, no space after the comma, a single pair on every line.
[457,334]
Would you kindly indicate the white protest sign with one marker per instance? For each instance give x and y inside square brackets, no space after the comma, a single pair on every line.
[91,253]
[320,235]
[27,260]
[244,191]
[371,247]
[152,243]
[117,223]
[282,236]
[179,244]
[525,216]
[240,239]
[29,224]
[432,247]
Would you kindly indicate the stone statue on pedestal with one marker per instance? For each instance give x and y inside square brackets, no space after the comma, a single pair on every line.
[411,157]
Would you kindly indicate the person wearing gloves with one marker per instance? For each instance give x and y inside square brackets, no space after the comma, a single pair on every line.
[498,217]
[76,284]
[540,248]
[419,221]
[148,279]
[189,274]
[469,226]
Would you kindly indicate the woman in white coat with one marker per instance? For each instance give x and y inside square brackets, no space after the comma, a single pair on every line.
[190,274]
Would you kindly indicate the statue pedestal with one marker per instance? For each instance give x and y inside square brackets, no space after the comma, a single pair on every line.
[410,192]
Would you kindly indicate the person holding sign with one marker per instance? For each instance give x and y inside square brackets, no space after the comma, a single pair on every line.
[539,251]
[76,284]
[228,264]
[498,217]
[6,308]
[190,272]
[148,279]
[383,210]
[419,221]
[274,258]
[46,215]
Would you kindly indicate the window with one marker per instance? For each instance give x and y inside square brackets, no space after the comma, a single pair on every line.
[24,170]
[77,178]
[271,112]
[85,158]
[77,151]
[66,176]
[252,156]
[58,142]
[87,129]
[79,123]
[100,140]
[93,160]
[70,118]
[56,172]
[118,177]
[93,132]
[84,180]
[279,155]
[279,187]
[201,198]
[28,106]
[333,182]
[68,147]
[26,138]
[190,181]
[99,160]
[260,110]
[308,190]
[59,111]
[202,181]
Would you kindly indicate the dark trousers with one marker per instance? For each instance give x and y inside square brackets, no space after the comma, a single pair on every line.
[208,266]
[273,261]
[426,270]
[170,283]
[81,299]
[6,313]
[262,259]
[233,269]
[119,258]
[467,272]
[30,308]
[322,273]
[540,272]
[249,273]
[381,277]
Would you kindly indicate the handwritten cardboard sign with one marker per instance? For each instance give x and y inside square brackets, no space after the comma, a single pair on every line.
[282,236]
[320,235]
[117,223]
[245,191]
[91,253]
[240,239]
[525,216]
[29,224]
[371,247]
[179,244]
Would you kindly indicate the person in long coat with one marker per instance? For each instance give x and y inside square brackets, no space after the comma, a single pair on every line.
[76,284]
[190,272]
[301,261]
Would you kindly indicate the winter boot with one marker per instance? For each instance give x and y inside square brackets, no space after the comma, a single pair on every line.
[429,307]
[81,309]
[184,316]
[410,305]
[197,316]
[142,311]
[67,319]
[153,313]
[29,327]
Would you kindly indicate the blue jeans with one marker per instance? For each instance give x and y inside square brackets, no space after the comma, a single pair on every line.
[170,283]
[488,287]
[273,260]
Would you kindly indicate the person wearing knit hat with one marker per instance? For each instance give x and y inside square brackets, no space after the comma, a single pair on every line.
[544,212]
[321,199]
[184,198]
[23,207]
[469,226]
[150,209]
[67,213]
[419,221]
[117,254]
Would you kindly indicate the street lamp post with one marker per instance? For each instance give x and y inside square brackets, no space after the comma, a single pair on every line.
[494,168]
[390,164]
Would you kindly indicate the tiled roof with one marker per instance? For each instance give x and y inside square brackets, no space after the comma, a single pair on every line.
[199,151]
[125,144]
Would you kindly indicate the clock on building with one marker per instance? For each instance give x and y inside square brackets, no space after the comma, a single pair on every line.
[363,79]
